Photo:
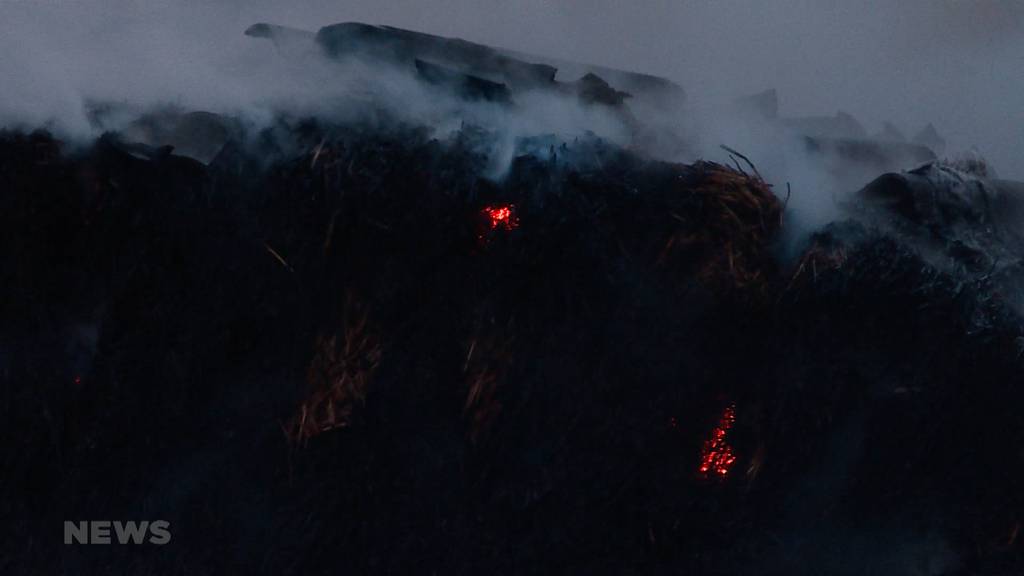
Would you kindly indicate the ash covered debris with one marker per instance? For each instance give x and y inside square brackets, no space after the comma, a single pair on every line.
[363,73]
[346,346]
[514,71]
[840,144]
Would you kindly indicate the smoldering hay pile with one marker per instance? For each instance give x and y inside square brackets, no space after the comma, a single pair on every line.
[344,347]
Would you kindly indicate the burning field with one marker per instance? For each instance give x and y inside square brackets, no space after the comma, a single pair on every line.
[349,347]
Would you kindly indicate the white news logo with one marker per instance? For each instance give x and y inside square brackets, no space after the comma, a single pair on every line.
[116,532]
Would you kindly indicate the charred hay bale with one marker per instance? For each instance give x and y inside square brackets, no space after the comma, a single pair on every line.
[961,215]
[914,367]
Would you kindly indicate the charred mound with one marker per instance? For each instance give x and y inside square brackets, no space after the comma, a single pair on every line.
[357,353]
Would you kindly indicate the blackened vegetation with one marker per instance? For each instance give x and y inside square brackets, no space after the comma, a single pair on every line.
[327,362]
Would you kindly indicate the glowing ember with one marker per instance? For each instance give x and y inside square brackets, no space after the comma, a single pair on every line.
[717,455]
[503,217]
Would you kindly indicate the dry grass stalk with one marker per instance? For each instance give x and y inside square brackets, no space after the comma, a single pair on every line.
[739,216]
[339,377]
[487,360]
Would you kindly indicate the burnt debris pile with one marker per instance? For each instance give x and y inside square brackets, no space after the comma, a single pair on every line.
[367,355]
[343,348]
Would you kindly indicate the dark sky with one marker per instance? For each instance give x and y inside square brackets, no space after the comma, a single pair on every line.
[958,64]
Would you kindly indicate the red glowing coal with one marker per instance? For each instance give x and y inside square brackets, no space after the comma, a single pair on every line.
[717,456]
[501,217]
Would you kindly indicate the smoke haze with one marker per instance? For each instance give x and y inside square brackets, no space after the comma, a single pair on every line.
[955,64]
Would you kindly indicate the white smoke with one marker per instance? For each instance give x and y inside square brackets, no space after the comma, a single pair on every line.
[955,64]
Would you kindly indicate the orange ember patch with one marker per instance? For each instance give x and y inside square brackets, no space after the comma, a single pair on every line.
[503,217]
[717,456]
